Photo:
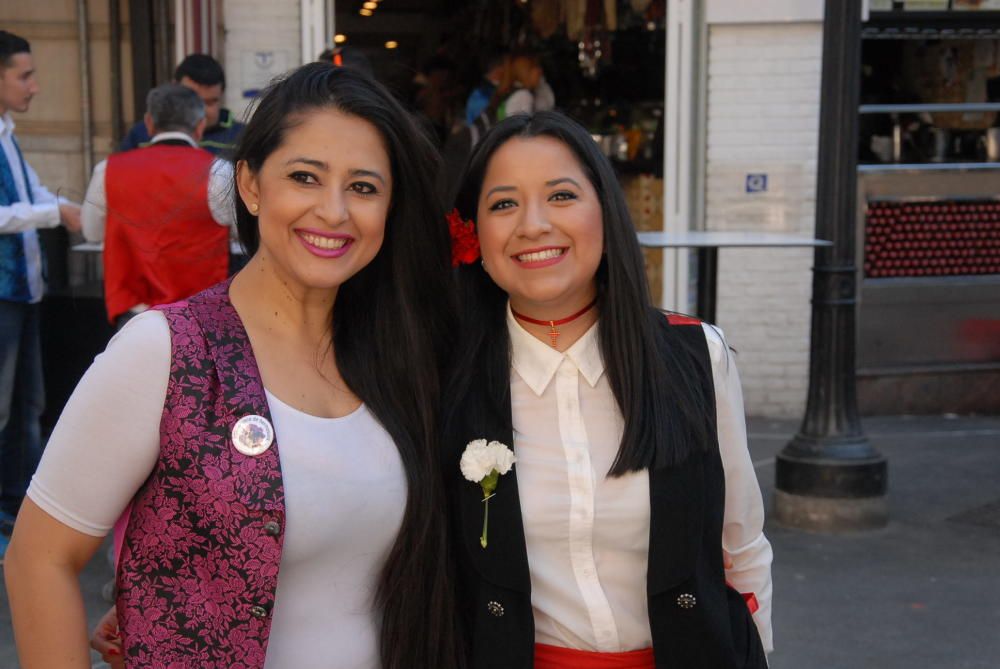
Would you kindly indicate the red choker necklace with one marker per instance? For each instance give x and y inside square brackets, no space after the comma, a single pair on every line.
[554,333]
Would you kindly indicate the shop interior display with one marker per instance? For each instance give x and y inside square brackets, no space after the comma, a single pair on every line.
[956,238]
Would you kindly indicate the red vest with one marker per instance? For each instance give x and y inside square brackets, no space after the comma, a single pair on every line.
[161,243]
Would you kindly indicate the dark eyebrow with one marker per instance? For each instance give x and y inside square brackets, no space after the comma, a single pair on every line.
[368,173]
[319,164]
[556,182]
[500,188]
[309,161]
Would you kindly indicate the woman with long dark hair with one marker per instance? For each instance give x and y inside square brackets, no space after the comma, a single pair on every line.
[628,533]
[274,434]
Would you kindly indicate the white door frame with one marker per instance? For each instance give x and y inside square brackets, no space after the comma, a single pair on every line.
[683,142]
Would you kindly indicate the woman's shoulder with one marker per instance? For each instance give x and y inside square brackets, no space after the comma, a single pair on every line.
[144,337]
[715,339]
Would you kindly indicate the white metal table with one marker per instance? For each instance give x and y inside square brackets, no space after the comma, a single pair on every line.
[708,244]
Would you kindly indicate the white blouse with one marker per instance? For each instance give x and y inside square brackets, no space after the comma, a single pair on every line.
[345,492]
[587,534]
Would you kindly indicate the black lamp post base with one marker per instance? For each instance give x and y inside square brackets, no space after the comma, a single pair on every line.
[831,495]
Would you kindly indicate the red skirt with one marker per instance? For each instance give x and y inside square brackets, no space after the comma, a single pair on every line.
[553,657]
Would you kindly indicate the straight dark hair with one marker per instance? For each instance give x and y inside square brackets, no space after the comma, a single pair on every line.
[201,69]
[10,46]
[392,323]
[661,397]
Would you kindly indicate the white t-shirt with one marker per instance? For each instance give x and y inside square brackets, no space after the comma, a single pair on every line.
[345,493]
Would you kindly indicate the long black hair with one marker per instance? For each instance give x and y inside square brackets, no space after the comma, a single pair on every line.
[391,325]
[661,397]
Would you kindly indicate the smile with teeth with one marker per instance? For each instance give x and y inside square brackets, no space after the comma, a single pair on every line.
[537,256]
[323,242]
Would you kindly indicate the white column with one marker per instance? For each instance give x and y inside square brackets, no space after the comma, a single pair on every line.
[181,19]
[314,19]
[331,20]
[682,141]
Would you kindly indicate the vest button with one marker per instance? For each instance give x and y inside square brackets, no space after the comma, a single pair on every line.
[258,611]
[272,528]
[495,608]
[686,600]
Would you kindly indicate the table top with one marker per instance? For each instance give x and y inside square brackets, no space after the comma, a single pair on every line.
[709,239]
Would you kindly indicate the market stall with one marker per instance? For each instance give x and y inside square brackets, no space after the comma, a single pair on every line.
[929,209]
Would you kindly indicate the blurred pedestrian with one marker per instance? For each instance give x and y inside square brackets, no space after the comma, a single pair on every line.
[524,88]
[436,98]
[25,206]
[482,95]
[163,211]
[205,76]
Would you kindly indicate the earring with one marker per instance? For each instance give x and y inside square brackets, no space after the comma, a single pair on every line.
[254,208]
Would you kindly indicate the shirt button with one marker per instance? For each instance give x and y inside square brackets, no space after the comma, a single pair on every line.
[258,612]
[272,528]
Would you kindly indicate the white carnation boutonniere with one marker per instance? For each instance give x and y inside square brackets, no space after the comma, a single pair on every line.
[484,463]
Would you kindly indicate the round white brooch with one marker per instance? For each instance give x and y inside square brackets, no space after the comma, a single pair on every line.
[252,435]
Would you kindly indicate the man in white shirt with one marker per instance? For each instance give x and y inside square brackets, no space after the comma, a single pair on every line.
[25,206]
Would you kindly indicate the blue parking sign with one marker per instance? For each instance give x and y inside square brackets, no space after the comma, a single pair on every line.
[756,183]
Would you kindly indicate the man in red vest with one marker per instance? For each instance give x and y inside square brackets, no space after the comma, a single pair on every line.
[162,210]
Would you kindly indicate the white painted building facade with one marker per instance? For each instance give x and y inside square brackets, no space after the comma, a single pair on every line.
[762,118]
[754,73]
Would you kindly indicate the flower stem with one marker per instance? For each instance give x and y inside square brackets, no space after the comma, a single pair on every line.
[486,518]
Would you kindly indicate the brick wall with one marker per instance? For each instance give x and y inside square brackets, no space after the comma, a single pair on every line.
[763,118]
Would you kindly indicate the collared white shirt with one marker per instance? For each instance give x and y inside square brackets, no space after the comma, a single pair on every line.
[93,217]
[587,534]
[26,216]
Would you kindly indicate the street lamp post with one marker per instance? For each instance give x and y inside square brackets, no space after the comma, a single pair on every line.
[829,477]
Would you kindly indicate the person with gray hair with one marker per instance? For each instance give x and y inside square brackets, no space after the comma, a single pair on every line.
[161,210]
[174,108]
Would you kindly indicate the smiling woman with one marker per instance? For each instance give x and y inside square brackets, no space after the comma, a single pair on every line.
[632,474]
[324,194]
[275,435]
[541,231]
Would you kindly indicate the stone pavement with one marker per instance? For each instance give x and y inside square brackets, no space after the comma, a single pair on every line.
[922,593]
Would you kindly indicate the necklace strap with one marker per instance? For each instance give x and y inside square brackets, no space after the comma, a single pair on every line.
[561,321]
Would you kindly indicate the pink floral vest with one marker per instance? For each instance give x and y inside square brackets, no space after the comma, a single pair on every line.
[199,564]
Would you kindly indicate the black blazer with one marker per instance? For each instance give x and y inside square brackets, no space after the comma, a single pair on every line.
[696,620]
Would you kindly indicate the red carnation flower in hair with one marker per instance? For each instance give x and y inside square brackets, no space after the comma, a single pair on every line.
[464,242]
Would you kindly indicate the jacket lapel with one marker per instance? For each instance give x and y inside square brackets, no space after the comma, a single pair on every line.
[257,478]
[678,495]
[676,499]
[504,561]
